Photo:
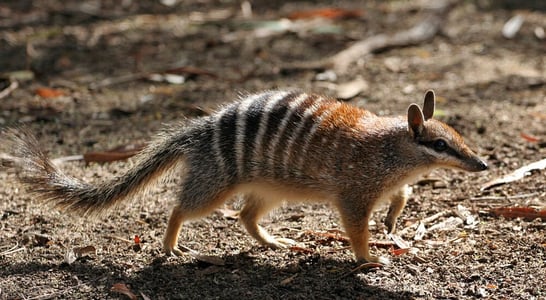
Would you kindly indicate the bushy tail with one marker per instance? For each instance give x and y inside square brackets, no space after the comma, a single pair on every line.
[49,183]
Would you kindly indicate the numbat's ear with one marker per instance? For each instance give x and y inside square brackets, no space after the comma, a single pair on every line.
[415,120]
[428,107]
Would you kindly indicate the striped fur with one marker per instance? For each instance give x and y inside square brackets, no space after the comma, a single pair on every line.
[260,135]
[269,147]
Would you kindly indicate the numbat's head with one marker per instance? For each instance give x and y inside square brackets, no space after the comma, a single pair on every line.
[438,143]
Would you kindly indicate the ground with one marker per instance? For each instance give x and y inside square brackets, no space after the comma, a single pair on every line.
[491,89]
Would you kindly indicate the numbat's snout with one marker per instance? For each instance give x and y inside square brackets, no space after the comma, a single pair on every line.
[270,147]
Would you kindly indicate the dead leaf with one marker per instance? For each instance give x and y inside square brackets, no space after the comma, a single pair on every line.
[465,214]
[288,280]
[229,213]
[528,213]
[123,289]
[81,251]
[449,224]
[335,235]
[301,250]
[351,89]
[326,13]
[491,286]
[118,153]
[420,232]
[516,175]
[399,241]
[168,78]
[213,260]
[137,246]
[144,296]
[73,254]
[70,256]
[41,240]
[529,138]
[512,26]
[45,92]
[398,252]
[381,244]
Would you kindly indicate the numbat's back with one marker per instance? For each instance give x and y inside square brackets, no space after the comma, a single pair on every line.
[270,147]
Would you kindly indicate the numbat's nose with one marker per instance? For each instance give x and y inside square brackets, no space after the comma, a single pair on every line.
[481,165]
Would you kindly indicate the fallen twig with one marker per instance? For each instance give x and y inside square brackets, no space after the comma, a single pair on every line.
[12,250]
[486,198]
[5,92]
[419,33]
[527,213]
[516,175]
[117,80]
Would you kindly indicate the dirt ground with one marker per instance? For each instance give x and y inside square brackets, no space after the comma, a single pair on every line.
[75,64]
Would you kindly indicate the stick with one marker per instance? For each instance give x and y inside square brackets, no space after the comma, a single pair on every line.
[419,33]
[5,92]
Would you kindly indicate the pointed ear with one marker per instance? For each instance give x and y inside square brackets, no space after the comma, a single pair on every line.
[428,107]
[415,120]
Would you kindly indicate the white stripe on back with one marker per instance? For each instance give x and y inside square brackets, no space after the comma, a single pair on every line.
[242,113]
[292,106]
[308,137]
[308,113]
[216,140]
[258,144]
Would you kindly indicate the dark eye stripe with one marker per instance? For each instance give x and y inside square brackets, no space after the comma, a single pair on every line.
[448,150]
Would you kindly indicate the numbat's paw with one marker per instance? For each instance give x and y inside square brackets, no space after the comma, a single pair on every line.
[375,259]
[174,252]
[281,243]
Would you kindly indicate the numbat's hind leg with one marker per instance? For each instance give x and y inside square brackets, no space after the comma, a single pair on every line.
[173,230]
[251,213]
[191,206]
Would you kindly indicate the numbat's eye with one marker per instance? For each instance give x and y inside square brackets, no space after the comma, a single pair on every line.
[440,145]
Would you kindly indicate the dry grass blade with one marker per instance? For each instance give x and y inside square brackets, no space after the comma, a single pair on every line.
[12,250]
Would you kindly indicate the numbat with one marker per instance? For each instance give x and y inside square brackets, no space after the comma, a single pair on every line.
[271,147]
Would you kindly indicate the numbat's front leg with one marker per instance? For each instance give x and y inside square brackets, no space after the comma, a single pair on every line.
[355,215]
[398,202]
